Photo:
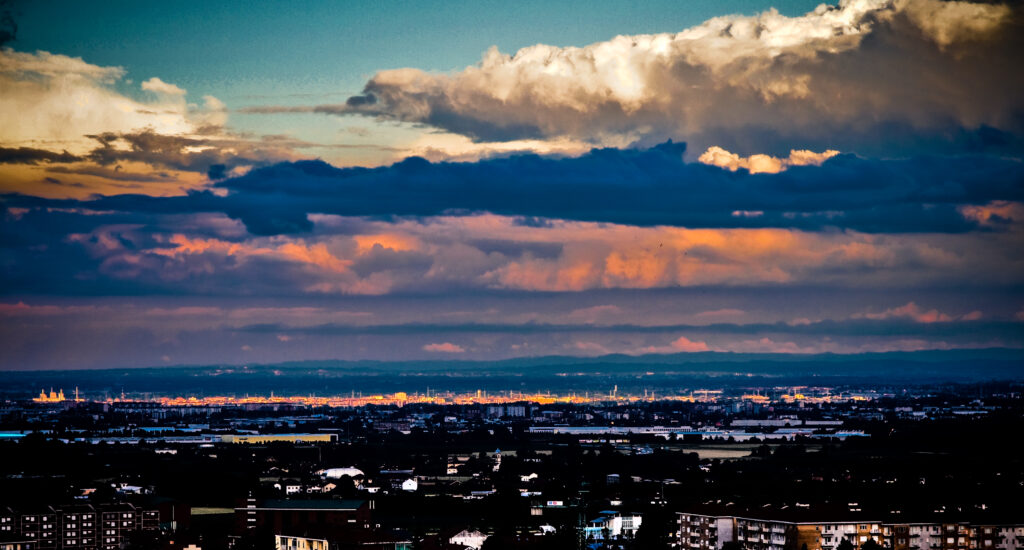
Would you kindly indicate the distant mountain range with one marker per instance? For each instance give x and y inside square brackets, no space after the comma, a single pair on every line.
[661,373]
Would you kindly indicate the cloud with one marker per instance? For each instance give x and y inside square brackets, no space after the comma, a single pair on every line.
[113,174]
[63,110]
[590,348]
[158,86]
[996,214]
[160,244]
[21,309]
[718,314]
[315,255]
[446,347]
[62,332]
[29,155]
[679,345]
[648,187]
[719,332]
[916,313]
[767,345]
[758,164]
[866,76]
[595,314]
[972,316]
[57,100]
[216,156]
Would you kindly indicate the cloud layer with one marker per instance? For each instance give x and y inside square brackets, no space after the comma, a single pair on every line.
[645,187]
[854,183]
[867,76]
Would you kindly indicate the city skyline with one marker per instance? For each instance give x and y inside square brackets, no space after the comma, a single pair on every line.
[216,183]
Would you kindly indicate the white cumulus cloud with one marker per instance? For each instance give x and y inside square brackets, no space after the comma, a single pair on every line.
[759,163]
[861,70]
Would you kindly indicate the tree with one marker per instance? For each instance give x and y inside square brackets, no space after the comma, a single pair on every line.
[845,544]
[871,544]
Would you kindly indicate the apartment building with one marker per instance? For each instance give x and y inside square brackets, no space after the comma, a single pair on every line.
[76,527]
[712,532]
[763,534]
[705,532]
[612,525]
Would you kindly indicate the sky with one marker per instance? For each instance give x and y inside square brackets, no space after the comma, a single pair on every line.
[221,182]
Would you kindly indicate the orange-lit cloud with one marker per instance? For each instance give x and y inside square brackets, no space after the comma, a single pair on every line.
[914,312]
[316,255]
[590,348]
[563,256]
[595,313]
[446,347]
[387,241]
[679,345]
[757,164]
[996,214]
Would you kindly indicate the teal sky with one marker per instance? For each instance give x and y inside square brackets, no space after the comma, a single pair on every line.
[302,52]
[307,53]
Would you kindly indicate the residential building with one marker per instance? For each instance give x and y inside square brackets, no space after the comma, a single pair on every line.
[612,525]
[711,532]
[81,526]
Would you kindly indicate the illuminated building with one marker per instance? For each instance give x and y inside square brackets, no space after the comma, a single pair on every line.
[290,438]
[55,396]
[711,532]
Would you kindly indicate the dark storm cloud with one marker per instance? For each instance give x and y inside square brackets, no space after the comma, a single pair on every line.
[29,155]
[645,187]
[635,187]
[214,157]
